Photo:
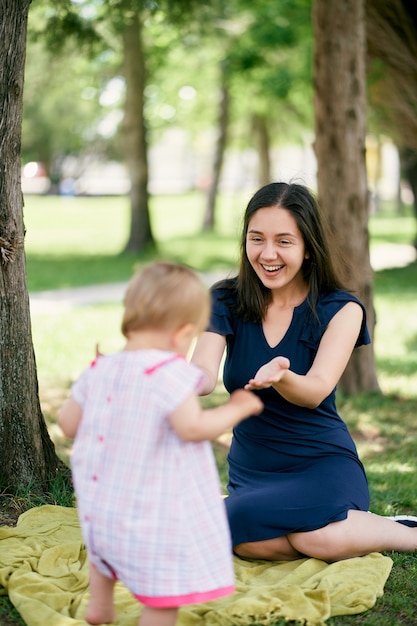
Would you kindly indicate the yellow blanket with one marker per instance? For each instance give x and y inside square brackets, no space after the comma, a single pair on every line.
[43,569]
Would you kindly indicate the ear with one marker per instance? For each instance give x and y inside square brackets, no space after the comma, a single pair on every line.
[183,333]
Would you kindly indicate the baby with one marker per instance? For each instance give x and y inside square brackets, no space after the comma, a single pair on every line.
[147,487]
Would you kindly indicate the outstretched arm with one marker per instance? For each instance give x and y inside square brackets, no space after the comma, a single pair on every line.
[193,423]
[332,356]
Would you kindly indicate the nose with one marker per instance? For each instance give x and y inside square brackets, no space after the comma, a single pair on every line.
[269,250]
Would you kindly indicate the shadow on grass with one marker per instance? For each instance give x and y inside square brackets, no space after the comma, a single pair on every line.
[206,252]
[49,272]
[398,367]
[412,345]
[397,280]
[384,429]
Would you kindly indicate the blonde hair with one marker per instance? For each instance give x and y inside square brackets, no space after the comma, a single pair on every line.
[165,295]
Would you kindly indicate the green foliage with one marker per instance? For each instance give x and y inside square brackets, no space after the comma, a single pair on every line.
[268,55]
[69,62]
[59,124]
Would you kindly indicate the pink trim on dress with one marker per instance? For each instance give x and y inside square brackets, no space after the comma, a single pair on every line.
[151,370]
[166,602]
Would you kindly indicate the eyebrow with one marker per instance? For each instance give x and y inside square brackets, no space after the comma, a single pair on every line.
[260,232]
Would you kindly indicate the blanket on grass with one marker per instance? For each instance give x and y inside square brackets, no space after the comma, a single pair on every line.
[44,571]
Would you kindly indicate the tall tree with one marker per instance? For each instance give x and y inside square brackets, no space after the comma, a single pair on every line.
[28,458]
[340,121]
[391,30]
[119,25]
[135,133]
[392,51]
[266,49]
[219,150]
[116,25]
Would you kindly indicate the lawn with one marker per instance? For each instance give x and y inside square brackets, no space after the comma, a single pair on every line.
[73,242]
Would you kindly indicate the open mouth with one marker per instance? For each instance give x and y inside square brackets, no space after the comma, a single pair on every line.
[272,268]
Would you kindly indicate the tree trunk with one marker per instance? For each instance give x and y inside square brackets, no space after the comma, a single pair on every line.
[135,136]
[222,128]
[340,120]
[28,459]
[260,127]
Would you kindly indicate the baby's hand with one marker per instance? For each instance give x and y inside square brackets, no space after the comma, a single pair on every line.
[269,373]
[246,402]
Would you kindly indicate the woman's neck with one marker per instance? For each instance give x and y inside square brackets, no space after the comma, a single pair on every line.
[290,296]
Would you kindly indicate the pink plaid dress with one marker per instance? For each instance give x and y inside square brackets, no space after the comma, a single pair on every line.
[149,503]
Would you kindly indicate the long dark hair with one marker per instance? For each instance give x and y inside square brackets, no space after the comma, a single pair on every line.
[253,298]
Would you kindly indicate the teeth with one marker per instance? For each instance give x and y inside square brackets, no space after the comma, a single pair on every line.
[271,268]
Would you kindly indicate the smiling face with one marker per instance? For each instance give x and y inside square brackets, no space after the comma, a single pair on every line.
[275,248]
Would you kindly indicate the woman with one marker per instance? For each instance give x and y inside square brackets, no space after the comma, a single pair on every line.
[296,485]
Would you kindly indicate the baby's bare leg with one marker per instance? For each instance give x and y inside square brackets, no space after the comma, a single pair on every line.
[100,608]
[158,617]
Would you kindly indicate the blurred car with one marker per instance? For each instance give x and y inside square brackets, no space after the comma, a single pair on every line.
[103,179]
[34,178]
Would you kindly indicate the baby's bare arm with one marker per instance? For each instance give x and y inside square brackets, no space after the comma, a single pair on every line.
[193,423]
[69,417]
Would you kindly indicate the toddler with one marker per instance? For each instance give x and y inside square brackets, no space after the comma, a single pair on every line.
[147,486]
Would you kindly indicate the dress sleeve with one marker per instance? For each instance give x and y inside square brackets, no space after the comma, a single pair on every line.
[327,308]
[221,319]
[175,381]
[79,388]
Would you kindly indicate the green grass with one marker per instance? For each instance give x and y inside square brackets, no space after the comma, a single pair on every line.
[73,242]
[390,227]
[78,241]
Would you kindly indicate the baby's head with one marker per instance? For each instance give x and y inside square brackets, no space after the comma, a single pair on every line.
[165,296]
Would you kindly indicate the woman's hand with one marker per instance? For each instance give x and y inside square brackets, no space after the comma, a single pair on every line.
[268,374]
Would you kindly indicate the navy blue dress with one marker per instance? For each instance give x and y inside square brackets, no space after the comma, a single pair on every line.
[291,468]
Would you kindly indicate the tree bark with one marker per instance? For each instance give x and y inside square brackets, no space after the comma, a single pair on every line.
[222,129]
[260,127]
[28,459]
[340,125]
[140,235]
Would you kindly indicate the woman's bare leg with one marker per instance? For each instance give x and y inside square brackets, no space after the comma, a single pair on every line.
[278,549]
[158,617]
[100,608]
[359,534]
